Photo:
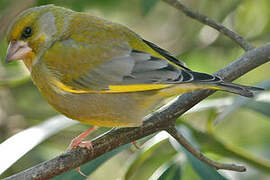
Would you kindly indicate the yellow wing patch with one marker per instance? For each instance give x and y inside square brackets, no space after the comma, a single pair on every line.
[112,88]
[137,87]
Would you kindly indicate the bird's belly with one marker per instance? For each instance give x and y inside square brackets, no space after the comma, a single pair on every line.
[101,109]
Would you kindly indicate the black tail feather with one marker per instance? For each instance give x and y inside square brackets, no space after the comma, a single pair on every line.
[239,89]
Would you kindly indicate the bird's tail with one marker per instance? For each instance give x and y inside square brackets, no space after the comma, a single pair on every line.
[242,90]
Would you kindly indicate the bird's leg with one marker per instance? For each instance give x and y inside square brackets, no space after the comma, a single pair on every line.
[78,141]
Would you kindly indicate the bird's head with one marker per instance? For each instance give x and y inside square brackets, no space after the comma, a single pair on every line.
[34,30]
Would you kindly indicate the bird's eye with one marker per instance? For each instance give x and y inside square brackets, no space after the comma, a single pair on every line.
[27,32]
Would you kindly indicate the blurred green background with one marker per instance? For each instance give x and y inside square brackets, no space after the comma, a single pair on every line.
[241,137]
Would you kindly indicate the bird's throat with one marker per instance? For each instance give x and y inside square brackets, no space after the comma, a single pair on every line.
[29,61]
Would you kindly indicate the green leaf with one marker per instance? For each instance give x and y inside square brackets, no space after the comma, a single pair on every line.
[156,152]
[211,143]
[188,173]
[205,171]
[31,137]
[240,102]
[90,167]
[261,107]
[141,158]
[147,6]
[173,172]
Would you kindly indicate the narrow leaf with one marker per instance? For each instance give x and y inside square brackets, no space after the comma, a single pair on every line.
[148,5]
[37,134]
[173,172]
[240,102]
[261,107]
[205,171]
[141,158]
[156,152]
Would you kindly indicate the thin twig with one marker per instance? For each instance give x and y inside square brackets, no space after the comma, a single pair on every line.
[182,140]
[212,23]
[158,121]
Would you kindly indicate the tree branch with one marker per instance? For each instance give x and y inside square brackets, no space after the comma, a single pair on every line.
[182,140]
[212,23]
[158,121]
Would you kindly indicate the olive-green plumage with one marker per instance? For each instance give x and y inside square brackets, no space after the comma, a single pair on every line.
[99,72]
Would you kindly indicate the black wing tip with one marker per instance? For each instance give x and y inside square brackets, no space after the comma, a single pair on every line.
[253,88]
[166,55]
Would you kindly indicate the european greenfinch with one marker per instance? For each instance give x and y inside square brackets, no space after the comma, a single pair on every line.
[99,72]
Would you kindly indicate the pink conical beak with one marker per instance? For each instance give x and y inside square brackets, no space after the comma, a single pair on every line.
[17,50]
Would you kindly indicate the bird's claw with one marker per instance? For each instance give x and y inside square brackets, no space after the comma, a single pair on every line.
[136,145]
[78,169]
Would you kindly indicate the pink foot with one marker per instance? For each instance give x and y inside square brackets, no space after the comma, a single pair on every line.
[84,144]
[78,142]
[136,145]
[78,169]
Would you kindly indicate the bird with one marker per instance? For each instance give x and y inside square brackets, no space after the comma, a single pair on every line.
[99,72]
